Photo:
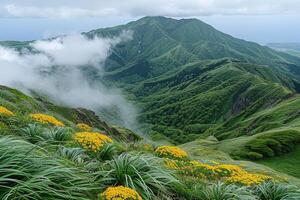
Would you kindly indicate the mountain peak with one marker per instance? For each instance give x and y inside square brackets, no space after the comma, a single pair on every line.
[163,19]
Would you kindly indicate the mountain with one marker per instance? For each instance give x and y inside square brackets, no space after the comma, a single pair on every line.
[191,81]
[291,48]
[160,44]
[189,78]
[231,106]
[294,46]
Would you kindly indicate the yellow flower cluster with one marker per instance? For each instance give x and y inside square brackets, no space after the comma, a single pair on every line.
[120,193]
[46,119]
[171,152]
[5,111]
[92,141]
[231,173]
[83,127]
[248,178]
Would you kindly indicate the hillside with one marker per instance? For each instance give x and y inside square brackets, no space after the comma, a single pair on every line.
[163,44]
[187,76]
[191,80]
[69,153]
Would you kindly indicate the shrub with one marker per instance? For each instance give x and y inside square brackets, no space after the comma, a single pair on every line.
[254,156]
[231,173]
[83,127]
[58,134]
[171,152]
[36,133]
[140,172]
[121,193]
[33,133]
[4,111]
[221,191]
[46,119]
[276,191]
[248,178]
[74,154]
[107,152]
[92,141]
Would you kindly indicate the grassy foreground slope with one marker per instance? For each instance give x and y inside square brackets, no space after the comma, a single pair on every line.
[65,153]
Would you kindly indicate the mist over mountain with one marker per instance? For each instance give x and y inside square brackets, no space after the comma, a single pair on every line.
[55,68]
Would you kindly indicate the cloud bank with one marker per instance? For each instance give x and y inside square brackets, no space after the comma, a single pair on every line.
[136,8]
[55,69]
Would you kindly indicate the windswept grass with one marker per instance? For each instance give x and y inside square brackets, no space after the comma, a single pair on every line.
[27,172]
[144,173]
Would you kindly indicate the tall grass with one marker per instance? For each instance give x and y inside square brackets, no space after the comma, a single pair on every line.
[140,172]
[76,155]
[58,134]
[27,172]
[33,133]
[222,191]
[277,191]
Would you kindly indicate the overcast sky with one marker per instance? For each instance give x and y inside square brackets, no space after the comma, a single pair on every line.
[261,21]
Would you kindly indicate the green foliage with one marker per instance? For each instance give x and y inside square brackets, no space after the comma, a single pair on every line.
[27,172]
[76,155]
[274,143]
[33,133]
[107,152]
[58,134]
[140,172]
[37,133]
[254,155]
[221,191]
[276,191]
[287,163]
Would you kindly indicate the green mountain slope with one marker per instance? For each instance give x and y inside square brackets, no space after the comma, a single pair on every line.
[42,159]
[16,100]
[157,39]
[192,81]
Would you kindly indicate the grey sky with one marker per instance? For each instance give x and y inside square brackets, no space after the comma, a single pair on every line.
[257,20]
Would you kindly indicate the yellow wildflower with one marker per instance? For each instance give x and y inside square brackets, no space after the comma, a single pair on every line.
[92,141]
[231,173]
[83,127]
[248,178]
[46,119]
[120,193]
[171,151]
[5,111]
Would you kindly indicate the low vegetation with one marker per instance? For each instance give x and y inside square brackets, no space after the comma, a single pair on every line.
[55,157]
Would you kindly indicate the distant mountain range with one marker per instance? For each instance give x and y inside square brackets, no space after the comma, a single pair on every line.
[291,48]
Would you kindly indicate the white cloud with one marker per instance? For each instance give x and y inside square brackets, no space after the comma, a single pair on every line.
[174,8]
[76,50]
[66,84]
